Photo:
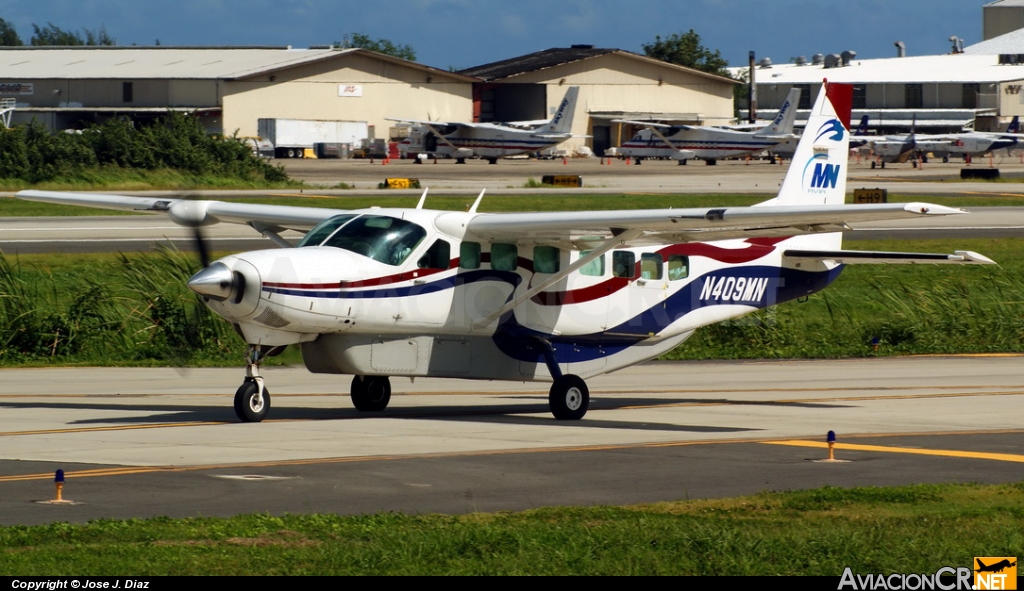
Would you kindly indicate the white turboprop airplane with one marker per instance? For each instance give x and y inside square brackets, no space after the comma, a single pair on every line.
[489,140]
[900,148]
[686,142]
[556,297]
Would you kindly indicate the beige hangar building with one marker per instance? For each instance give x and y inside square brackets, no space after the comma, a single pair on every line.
[614,84]
[231,88]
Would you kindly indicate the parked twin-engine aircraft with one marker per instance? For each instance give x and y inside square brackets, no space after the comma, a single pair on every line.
[900,148]
[489,140]
[685,142]
[557,297]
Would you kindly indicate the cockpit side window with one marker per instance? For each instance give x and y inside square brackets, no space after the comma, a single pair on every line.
[438,256]
[324,229]
[382,238]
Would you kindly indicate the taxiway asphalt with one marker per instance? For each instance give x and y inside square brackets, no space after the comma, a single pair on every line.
[146,442]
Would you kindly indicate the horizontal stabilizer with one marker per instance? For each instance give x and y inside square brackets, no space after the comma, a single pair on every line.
[853,257]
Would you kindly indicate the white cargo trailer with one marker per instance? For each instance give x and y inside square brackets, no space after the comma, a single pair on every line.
[291,137]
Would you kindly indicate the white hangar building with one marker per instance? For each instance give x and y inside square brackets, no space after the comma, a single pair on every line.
[979,86]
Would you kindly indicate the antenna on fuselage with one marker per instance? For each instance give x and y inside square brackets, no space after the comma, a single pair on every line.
[423,198]
[477,202]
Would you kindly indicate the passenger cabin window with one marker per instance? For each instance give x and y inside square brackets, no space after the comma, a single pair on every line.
[594,268]
[469,255]
[504,257]
[384,239]
[678,267]
[650,265]
[623,264]
[438,256]
[545,259]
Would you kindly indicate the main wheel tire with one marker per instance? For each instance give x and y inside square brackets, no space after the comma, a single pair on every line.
[246,406]
[569,398]
[371,393]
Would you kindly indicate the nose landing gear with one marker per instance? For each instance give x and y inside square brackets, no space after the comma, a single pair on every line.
[252,399]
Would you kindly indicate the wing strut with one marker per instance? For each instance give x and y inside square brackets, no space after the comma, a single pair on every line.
[609,244]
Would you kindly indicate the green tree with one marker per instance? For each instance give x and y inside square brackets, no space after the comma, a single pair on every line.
[100,37]
[51,34]
[8,35]
[686,50]
[384,46]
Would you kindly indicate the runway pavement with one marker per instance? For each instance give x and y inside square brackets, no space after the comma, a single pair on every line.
[146,442]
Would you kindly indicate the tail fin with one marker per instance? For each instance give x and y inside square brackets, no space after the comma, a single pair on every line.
[783,122]
[1014,125]
[561,121]
[817,174]
[862,129]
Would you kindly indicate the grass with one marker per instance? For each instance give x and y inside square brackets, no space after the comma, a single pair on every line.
[112,178]
[908,529]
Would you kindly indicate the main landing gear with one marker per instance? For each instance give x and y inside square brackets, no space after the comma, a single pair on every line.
[371,393]
[569,398]
[252,400]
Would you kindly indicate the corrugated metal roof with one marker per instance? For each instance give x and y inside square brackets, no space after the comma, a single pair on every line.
[165,62]
[557,56]
[918,69]
[1012,42]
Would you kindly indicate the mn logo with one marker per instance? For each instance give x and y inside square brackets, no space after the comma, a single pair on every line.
[995,572]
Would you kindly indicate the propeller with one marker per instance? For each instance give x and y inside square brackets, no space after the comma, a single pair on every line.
[214,281]
[204,252]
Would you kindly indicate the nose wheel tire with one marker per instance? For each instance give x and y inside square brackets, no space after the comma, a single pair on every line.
[249,407]
[569,398]
[371,393]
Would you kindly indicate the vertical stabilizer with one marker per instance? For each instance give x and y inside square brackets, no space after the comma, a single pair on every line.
[817,174]
[783,122]
[862,129]
[561,121]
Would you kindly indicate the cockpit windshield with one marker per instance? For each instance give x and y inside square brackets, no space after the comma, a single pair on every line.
[382,238]
[324,229]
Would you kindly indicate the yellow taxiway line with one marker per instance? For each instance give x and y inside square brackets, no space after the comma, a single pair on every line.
[951,453]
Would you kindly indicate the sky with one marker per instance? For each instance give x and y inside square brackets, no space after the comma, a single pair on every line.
[464,33]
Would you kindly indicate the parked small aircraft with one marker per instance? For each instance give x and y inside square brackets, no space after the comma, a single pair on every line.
[489,140]
[550,296]
[900,148]
[686,142]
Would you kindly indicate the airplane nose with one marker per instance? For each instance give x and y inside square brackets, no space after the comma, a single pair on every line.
[215,282]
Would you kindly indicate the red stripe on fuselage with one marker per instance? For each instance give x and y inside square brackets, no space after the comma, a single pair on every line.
[758,248]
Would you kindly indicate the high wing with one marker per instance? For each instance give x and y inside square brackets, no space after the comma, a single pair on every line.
[572,230]
[652,125]
[196,213]
[581,230]
[433,125]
